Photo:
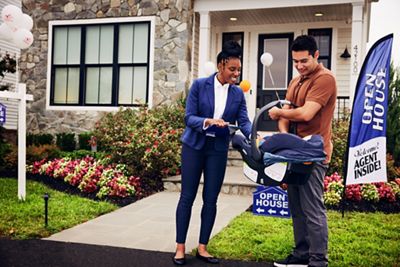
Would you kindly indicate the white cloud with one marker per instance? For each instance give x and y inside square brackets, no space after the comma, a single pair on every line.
[385,19]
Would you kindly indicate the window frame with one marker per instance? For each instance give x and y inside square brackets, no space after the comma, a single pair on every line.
[50,105]
[324,32]
[226,37]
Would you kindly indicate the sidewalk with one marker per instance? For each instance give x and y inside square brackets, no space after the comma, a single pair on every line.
[149,224]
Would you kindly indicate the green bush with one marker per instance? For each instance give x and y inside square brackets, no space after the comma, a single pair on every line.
[146,140]
[83,140]
[39,139]
[79,154]
[5,148]
[393,116]
[66,141]
[340,128]
[40,152]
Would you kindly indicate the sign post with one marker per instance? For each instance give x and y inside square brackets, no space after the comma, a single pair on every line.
[271,201]
[22,97]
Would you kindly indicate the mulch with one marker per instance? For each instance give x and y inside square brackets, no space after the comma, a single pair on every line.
[60,185]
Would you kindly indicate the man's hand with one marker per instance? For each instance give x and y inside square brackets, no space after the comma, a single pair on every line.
[275,113]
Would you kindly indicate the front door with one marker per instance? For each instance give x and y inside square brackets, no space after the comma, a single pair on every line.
[272,81]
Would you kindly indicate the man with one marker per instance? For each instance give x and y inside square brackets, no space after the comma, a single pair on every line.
[313,93]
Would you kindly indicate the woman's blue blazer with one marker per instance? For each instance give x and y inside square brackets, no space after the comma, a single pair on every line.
[200,105]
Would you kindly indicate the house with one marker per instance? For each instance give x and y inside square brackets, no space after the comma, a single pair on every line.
[9,80]
[91,57]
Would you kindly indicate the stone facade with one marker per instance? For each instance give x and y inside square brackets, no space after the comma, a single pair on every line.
[172,53]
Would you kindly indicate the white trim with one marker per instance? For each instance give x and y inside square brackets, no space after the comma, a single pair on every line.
[224,5]
[204,41]
[52,23]
[100,20]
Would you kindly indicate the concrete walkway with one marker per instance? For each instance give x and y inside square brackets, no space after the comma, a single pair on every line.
[149,224]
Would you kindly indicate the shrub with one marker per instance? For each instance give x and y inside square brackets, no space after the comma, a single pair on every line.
[10,159]
[393,115]
[39,139]
[66,141]
[369,193]
[40,152]
[374,193]
[90,176]
[147,141]
[84,140]
[353,192]
[340,129]
[79,154]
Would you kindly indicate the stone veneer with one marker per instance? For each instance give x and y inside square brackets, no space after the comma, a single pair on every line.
[172,55]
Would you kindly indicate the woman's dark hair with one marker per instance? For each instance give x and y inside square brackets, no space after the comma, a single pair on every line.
[305,43]
[229,49]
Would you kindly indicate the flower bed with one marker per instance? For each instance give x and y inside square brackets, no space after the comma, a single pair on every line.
[89,176]
[362,197]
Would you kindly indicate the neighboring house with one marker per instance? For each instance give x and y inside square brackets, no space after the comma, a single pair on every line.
[10,79]
[91,57]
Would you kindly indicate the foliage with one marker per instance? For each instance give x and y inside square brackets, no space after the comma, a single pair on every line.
[10,159]
[5,148]
[8,64]
[40,152]
[78,154]
[340,129]
[339,139]
[358,239]
[39,139]
[66,141]
[84,140]
[90,176]
[147,141]
[25,219]
[393,116]
[375,192]
[333,188]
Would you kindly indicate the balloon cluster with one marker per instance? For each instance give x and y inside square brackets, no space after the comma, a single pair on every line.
[16,27]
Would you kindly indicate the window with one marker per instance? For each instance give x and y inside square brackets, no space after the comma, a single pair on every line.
[101,64]
[324,43]
[237,37]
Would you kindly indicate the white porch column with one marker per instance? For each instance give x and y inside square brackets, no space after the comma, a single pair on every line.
[357,47]
[204,41]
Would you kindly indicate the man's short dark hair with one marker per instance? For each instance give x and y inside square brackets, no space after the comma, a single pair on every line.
[229,49]
[305,43]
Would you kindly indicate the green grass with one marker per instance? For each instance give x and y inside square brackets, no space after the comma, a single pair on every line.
[25,219]
[358,239]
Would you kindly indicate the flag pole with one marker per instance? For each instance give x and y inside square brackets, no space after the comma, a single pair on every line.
[359,80]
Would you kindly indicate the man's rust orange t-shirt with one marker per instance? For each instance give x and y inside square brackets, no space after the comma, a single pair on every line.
[319,86]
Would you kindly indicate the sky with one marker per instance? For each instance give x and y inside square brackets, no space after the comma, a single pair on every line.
[385,19]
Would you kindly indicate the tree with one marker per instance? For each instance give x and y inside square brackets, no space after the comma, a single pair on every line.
[393,116]
[8,64]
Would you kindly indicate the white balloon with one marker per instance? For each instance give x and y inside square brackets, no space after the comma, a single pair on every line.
[6,32]
[10,15]
[24,22]
[209,68]
[266,59]
[23,38]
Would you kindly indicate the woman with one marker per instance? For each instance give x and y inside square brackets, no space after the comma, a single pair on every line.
[213,103]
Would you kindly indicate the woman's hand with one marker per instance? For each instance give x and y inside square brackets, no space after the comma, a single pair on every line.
[217,122]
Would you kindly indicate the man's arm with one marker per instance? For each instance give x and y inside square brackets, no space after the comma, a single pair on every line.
[304,113]
[283,124]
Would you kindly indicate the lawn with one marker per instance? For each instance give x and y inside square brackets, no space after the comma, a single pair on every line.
[25,219]
[358,239]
